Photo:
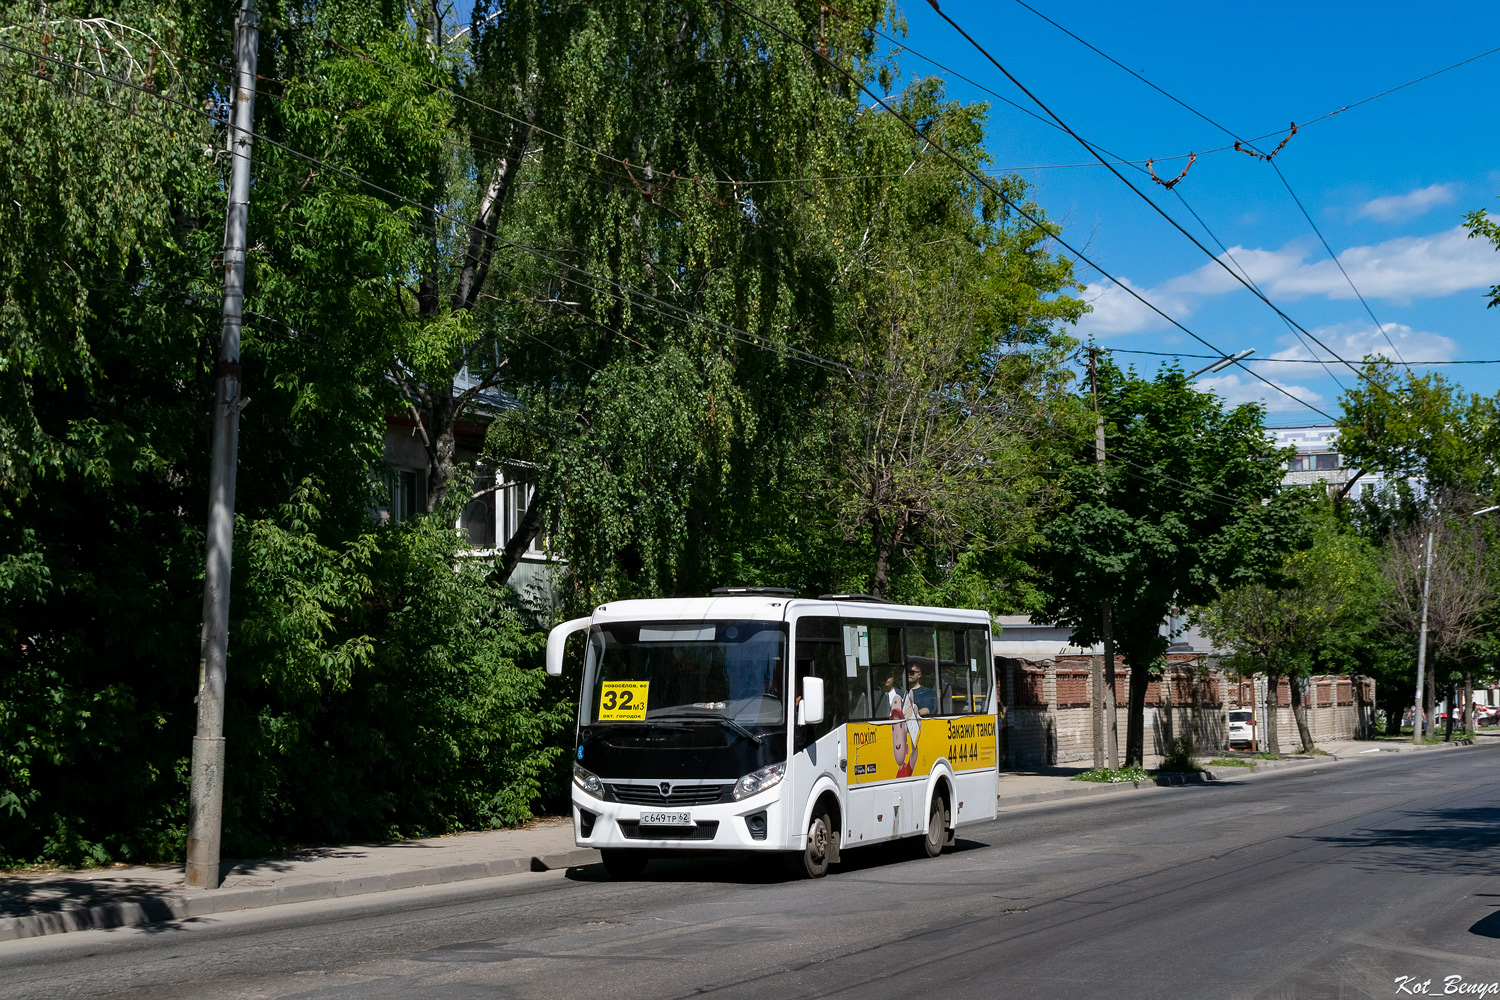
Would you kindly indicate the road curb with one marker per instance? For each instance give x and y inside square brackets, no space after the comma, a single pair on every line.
[1084,790]
[187,904]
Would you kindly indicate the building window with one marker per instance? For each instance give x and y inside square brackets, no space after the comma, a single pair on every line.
[515,497]
[1325,463]
[408,493]
[477,523]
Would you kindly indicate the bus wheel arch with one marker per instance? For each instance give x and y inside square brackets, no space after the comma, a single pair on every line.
[821,839]
[939,832]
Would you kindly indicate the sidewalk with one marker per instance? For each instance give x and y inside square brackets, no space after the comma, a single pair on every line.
[33,904]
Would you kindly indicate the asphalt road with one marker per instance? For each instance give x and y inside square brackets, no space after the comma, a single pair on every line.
[1299,884]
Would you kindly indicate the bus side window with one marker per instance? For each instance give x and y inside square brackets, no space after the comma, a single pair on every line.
[857,670]
[820,653]
[953,674]
[921,668]
[981,664]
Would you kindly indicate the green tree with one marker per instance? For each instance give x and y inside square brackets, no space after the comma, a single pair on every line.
[1482,225]
[1420,428]
[1317,614]
[1190,506]
[1461,598]
[379,646]
[943,431]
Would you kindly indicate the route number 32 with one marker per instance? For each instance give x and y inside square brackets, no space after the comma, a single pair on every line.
[623,701]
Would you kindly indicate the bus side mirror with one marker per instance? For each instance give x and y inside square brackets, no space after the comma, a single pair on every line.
[810,709]
[557,639]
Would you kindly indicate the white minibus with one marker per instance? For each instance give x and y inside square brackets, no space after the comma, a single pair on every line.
[754,720]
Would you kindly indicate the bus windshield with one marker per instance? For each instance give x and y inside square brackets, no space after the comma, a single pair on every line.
[644,672]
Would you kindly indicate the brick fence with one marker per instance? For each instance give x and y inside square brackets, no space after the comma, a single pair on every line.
[1047,717]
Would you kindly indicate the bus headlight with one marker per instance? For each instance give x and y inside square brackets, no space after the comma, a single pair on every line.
[587,780]
[759,781]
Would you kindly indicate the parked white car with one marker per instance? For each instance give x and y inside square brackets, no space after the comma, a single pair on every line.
[1241,727]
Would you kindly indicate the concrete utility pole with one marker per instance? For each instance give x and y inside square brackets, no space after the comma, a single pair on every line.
[1102,676]
[206,793]
[1416,718]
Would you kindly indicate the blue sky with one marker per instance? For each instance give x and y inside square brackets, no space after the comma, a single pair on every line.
[1386,182]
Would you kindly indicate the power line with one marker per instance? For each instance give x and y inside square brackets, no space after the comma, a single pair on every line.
[1239,141]
[1295,361]
[1141,194]
[1119,160]
[1018,209]
[1339,264]
[1220,244]
[619,291]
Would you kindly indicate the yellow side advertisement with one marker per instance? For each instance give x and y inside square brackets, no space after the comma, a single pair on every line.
[908,747]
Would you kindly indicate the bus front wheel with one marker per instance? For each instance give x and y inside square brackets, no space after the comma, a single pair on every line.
[812,860]
[623,865]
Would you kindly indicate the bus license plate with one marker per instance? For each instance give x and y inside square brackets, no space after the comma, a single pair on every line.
[667,819]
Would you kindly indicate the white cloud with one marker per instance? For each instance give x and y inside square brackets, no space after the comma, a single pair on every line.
[1353,341]
[1260,266]
[1400,207]
[1236,388]
[1410,267]
[1117,311]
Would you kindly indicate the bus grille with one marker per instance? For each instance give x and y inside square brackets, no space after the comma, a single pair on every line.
[703,831]
[680,795]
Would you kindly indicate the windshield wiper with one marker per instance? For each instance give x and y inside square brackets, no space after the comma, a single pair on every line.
[715,716]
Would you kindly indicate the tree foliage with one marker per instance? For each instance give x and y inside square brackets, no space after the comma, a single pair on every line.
[1419,429]
[1189,506]
[1317,613]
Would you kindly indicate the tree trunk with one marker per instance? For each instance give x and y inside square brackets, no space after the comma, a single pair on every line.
[442,438]
[1469,702]
[1448,728]
[1299,713]
[886,538]
[1164,710]
[526,533]
[1273,686]
[1135,724]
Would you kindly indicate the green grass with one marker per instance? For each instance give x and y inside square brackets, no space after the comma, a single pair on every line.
[1135,775]
[1231,762]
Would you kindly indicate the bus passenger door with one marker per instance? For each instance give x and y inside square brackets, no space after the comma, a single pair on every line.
[820,753]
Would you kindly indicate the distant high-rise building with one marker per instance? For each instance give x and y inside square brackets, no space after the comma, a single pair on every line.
[1318,461]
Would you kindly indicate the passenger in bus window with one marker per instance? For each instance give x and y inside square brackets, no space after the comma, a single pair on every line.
[893,695]
[921,695]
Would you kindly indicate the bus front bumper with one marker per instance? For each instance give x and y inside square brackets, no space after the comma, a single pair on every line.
[756,823]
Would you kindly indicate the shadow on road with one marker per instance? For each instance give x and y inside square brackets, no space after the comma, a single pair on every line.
[725,868]
[1438,841]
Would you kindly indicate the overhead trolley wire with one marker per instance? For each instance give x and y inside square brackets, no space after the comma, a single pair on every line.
[1018,209]
[1139,193]
[1238,139]
[620,292]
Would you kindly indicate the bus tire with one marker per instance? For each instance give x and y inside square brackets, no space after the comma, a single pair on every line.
[937,828]
[624,864]
[812,861]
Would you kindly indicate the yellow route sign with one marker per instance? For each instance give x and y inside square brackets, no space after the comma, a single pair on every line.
[623,701]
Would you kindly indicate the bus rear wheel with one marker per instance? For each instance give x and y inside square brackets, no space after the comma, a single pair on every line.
[937,828]
[623,864]
[812,861]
